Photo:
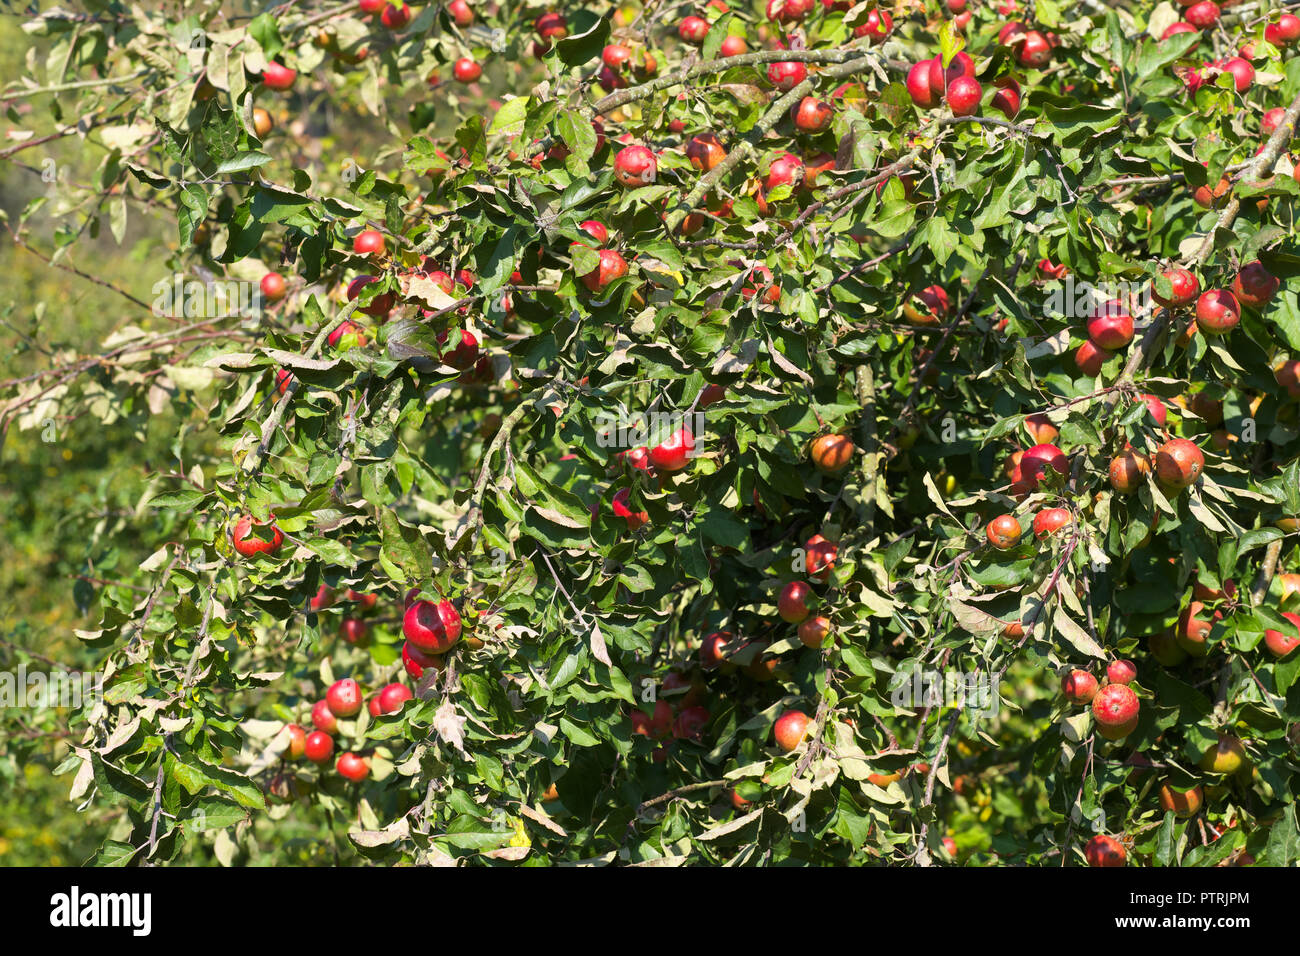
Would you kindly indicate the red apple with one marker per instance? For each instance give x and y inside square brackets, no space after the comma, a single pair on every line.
[466,70]
[1281,644]
[318,746]
[433,628]
[1254,285]
[1115,710]
[352,766]
[792,603]
[323,719]
[249,543]
[790,729]
[344,698]
[675,452]
[1079,686]
[785,75]
[635,166]
[276,76]
[1217,312]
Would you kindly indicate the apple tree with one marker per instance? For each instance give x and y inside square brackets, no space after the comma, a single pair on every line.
[801,432]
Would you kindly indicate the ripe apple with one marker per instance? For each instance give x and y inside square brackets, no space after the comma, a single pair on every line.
[1104,851]
[1243,74]
[461,13]
[380,305]
[1035,462]
[396,15]
[1203,592]
[831,454]
[941,78]
[612,266]
[712,649]
[1089,359]
[1185,287]
[876,27]
[1007,101]
[635,166]
[370,7]
[1194,630]
[693,29]
[788,11]
[819,557]
[262,123]
[1157,409]
[733,45]
[1115,710]
[347,335]
[1179,463]
[1281,644]
[466,70]
[1126,471]
[392,697]
[417,661]
[1254,285]
[785,169]
[250,543]
[1284,31]
[1121,672]
[318,746]
[616,56]
[323,719]
[705,151]
[272,286]
[1034,50]
[1287,375]
[1050,520]
[1079,687]
[635,519]
[466,352]
[813,631]
[433,628]
[1225,757]
[675,452]
[368,242]
[551,26]
[690,723]
[785,75]
[1110,326]
[711,394]
[813,115]
[352,766]
[1184,803]
[790,729]
[1217,312]
[935,300]
[297,741]
[355,631]
[792,603]
[918,85]
[277,76]
[367,601]
[1003,532]
[963,96]
[1180,26]
[344,698]
[1207,198]
[1202,15]
[1040,428]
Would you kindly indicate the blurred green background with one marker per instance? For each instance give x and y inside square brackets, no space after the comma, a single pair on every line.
[63,502]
